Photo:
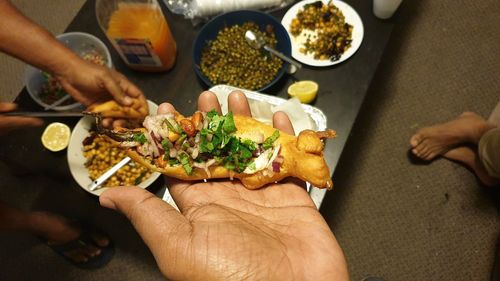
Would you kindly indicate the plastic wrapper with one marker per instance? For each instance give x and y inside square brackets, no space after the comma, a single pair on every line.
[202,9]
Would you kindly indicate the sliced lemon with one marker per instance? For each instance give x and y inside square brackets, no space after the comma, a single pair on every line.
[56,136]
[305,91]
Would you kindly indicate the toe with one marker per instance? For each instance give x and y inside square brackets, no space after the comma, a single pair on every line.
[101,240]
[415,140]
[77,256]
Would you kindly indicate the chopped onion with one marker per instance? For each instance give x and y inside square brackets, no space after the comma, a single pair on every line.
[197,138]
[129,144]
[173,153]
[209,137]
[195,153]
[205,121]
[279,159]
[276,167]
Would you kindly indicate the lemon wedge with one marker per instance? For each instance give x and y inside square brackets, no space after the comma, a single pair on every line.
[305,91]
[56,136]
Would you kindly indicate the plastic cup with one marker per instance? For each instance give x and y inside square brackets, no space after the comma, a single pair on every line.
[384,9]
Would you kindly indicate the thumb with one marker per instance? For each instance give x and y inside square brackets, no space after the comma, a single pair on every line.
[161,227]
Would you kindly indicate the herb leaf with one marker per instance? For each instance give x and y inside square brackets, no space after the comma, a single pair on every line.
[184,158]
[140,137]
[268,143]
[228,125]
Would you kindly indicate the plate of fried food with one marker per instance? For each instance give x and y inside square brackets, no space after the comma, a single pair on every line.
[323,33]
[90,155]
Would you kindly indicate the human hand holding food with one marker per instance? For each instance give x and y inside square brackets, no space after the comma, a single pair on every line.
[9,123]
[209,145]
[228,232]
[93,85]
[88,83]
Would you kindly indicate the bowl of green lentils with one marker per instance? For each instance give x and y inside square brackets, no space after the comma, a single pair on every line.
[221,54]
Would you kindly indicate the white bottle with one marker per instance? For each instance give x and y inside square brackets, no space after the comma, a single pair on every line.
[384,9]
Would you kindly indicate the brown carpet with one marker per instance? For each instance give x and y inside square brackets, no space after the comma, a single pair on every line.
[404,221]
[393,218]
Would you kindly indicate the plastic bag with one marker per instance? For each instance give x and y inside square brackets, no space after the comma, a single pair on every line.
[199,9]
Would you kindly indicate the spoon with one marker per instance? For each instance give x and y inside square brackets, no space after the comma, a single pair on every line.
[258,42]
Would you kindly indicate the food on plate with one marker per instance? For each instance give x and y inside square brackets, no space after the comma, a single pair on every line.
[209,145]
[230,60]
[328,35]
[306,91]
[52,90]
[138,109]
[56,136]
[101,155]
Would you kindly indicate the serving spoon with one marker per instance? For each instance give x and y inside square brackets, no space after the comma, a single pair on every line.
[258,42]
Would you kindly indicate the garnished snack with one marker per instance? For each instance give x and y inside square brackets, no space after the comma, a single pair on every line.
[230,60]
[330,36]
[111,109]
[101,155]
[209,145]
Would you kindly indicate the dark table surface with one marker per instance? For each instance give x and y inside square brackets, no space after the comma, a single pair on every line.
[342,88]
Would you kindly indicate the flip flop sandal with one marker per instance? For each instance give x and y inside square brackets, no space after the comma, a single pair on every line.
[84,239]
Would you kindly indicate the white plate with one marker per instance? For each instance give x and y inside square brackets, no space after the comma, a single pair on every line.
[351,17]
[76,160]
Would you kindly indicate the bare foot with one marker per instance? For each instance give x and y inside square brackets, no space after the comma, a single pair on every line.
[470,158]
[436,140]
[58,230]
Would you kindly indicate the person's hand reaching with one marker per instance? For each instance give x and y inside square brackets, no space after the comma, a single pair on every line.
[91,84]
[227,232]
[9,123]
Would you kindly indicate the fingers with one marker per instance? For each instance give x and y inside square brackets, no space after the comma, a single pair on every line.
[161,227]
[208,101]
[7,106]
[282,122]
[128,88]
[112,86]
[10,123]
[165,108]
[238,104]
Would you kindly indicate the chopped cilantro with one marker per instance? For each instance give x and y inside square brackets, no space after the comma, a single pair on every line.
[182,138]
[173,162]
[252,166]
[268,143]
[172,128]
[164,144]
[184,158]
[141,138]
[212,113]
[228,125]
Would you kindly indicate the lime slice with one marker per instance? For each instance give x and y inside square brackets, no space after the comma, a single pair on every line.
[56,136]
[305,91]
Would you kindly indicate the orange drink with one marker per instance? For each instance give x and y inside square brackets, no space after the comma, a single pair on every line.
[141,35]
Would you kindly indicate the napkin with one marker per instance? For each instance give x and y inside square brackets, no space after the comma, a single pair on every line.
[263,110]
[204,8]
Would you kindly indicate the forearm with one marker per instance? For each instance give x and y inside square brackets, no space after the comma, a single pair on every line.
[29,42]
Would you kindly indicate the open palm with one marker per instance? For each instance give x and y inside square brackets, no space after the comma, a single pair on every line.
[227,232]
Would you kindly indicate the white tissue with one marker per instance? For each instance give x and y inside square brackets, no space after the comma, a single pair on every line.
[204,8]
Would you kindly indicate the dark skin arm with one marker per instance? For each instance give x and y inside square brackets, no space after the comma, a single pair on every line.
[85,81]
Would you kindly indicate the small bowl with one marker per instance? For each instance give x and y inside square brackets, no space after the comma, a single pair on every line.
[80,43]
[210,30]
